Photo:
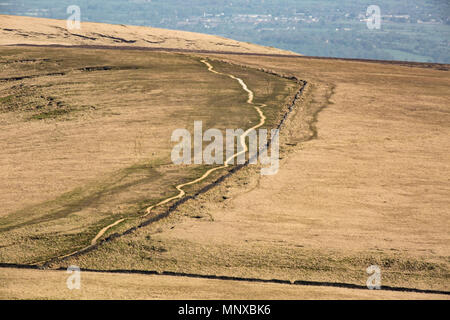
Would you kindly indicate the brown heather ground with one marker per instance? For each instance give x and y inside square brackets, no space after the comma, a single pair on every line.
[29,30]
[371,187]
[91,144]
[49,284]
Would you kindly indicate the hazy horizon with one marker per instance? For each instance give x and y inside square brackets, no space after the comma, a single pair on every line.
[411,30]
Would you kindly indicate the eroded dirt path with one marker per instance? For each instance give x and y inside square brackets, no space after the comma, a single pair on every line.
[181,192]
[230,159]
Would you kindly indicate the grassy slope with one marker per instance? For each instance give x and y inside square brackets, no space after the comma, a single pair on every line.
[22,30]
[369,190]
[67,175]
[35,284]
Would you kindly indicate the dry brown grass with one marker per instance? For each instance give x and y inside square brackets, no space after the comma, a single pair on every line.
[28,30]
[35,284]
[64,176]
[371,189]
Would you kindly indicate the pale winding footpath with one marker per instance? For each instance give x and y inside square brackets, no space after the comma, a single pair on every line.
[180,187]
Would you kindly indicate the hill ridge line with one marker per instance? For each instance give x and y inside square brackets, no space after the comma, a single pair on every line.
[433,65]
